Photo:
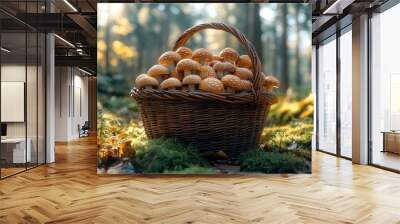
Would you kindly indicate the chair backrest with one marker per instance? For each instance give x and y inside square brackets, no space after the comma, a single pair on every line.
[86,125]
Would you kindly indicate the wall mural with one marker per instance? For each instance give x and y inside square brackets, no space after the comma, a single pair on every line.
[204,88]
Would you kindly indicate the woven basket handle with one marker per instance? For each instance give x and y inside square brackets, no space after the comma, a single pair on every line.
[257,82]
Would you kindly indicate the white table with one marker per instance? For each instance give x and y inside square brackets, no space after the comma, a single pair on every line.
[19,154]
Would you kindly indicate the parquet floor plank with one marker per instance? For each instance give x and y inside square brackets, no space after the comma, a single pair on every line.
[70,191]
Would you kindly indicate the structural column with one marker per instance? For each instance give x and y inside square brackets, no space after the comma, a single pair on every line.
[360,90]
[50,92]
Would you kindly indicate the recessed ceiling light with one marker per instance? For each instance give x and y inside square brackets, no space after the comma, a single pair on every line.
[84,71]
[70,5]
[65,41]
[338,6]
[5,50]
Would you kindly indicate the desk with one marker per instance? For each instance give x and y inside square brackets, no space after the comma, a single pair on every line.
[391,141]
[13,150]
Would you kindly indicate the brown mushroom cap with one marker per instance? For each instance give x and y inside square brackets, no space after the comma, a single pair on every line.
[184,52]
[236,83]
[217,58]
[271,82]
[146,80]
[244,73]
[212,63]
[158,71]
[139,77]
[231,81]
[207,71]
[202,55]
[170,83]
[168,58]
[212,85]
[244,61]
[246,85]
[224,67]
[219,67]
[229,68]
[229,54]
[191,80]
[187,65]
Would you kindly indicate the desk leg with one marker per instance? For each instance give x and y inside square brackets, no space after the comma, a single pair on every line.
[384,142]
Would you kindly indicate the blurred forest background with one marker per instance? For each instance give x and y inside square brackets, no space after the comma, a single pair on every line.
[131,37]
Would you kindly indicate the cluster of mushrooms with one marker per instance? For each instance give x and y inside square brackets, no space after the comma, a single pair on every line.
[200,70]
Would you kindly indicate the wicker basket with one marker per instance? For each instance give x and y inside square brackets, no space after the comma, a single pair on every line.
[211,122]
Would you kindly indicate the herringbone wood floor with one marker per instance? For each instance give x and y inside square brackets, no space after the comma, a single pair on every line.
[69,191]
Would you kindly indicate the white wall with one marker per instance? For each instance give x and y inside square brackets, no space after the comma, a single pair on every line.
[71,102]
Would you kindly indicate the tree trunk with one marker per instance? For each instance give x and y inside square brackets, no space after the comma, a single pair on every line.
[257,32]
[284,49]
[275,68]
[165,29]
[297,53]
[108,43]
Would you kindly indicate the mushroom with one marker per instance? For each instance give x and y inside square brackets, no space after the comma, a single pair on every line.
[229,55]
[207,71]
[244,73]
[192,81]
[231,82]
[170,84]
[244,61]
[184,52]
[270,82]
[212,85]
[160,72]
[186,67]
[223,68]
[169,59]
[140,76]
[146,82]
[246,85]
[202,55]
[215,59]
[234,84]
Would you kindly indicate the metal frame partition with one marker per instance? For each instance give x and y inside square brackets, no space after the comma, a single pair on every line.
[43,117]
[337,30]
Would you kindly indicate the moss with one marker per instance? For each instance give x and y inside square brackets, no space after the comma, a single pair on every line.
[166,155]
[194,170]
[259,160]
[296,135]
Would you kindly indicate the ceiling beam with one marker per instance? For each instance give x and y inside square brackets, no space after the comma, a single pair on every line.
[84,24]
[77,61]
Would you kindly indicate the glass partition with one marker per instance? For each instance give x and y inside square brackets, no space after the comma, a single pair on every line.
[327,96]
[385,89]
[22,77]
[346,93]
[13,94]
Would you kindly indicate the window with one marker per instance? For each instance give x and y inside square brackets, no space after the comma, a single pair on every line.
[346,93]
[385,89]
[327,96]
